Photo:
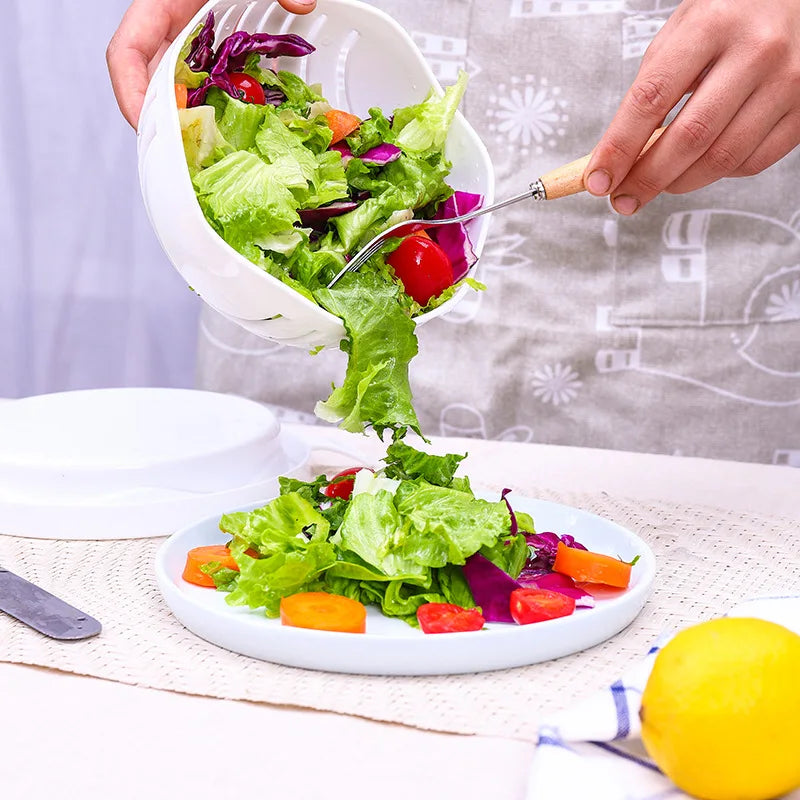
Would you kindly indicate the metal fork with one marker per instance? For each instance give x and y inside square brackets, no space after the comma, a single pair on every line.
[560,182]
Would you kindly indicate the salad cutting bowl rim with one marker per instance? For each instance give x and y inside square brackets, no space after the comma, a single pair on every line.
[224,278]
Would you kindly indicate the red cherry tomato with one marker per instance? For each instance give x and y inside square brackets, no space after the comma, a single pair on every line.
[448,618]
[250,90]
[538,605]
[423,267]
[341,485]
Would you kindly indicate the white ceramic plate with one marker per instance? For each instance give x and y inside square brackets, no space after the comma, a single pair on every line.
[391,647]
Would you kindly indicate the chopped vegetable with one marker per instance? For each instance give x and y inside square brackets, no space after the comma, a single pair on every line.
[586,566]
[423,267]
[181,94]
[250,90]
[454,239]
[341,123]
[491,588]
[542,547]
[448,618]
[341,484]
[208,554]
[557,582]
[324,612]
[538,605]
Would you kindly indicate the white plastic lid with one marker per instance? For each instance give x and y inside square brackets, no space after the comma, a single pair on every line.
[130,463]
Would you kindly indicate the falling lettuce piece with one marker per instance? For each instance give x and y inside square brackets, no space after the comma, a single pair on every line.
[381,343]
[406,463]
[422,129]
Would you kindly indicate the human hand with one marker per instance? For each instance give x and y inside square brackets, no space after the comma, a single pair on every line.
[146,31]
[740,59]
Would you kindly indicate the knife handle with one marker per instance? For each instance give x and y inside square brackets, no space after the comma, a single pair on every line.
[568,179]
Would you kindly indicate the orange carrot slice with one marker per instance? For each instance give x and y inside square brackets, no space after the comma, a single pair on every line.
[341,123]
[181,94]
[324,612]
[586,566]
[199,556]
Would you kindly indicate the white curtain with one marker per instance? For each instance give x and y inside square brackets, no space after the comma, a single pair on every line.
[87,297]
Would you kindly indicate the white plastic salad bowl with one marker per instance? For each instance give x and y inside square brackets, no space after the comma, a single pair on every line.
[363,58]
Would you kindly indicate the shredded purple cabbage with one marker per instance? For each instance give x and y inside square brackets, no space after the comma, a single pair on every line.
[317,217]
[563,584]
[514,526]
[378,156]
[201,53]
[454,239]
[231,55]
[542,547]
[491,588]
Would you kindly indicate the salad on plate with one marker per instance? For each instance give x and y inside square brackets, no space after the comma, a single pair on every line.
[411,538]
[297,186]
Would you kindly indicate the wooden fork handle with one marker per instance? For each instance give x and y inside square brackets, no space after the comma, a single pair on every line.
[568,179]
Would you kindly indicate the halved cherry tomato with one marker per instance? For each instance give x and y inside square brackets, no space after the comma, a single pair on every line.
[423,267]
[250,89]
[538,605]
[448,618]
[198,556]
[341,485]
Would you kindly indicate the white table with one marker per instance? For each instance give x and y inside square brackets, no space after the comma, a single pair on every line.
[68,736]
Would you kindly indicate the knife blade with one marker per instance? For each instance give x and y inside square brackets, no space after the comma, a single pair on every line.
[43,611]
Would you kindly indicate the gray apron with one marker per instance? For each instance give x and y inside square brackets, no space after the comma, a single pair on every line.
[673,331]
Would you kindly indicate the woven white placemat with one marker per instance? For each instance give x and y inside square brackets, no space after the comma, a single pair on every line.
[708,560]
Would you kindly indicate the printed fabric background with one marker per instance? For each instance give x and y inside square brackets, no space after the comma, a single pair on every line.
[675,331]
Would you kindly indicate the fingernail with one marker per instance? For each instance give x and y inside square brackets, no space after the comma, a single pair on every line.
[598,182]
[305,2]
[625,204]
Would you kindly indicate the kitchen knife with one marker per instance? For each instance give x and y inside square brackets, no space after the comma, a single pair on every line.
[43,611]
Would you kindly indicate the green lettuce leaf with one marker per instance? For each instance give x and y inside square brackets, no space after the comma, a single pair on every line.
[289,522]
[422,129]
[238,122]
[263,582]
[381,343]
[406,463]
[403,185]
[374,130]
[246,199]
[445,526]
[509,553]
[369,530]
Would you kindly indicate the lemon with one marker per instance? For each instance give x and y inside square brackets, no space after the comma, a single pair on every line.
[721,710]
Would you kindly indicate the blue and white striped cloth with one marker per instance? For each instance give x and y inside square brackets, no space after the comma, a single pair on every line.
[593,749]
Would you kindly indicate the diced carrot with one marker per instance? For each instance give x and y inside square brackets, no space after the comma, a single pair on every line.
[586,566]
[341,123]
[324,612]
[199,556]
[181,94]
